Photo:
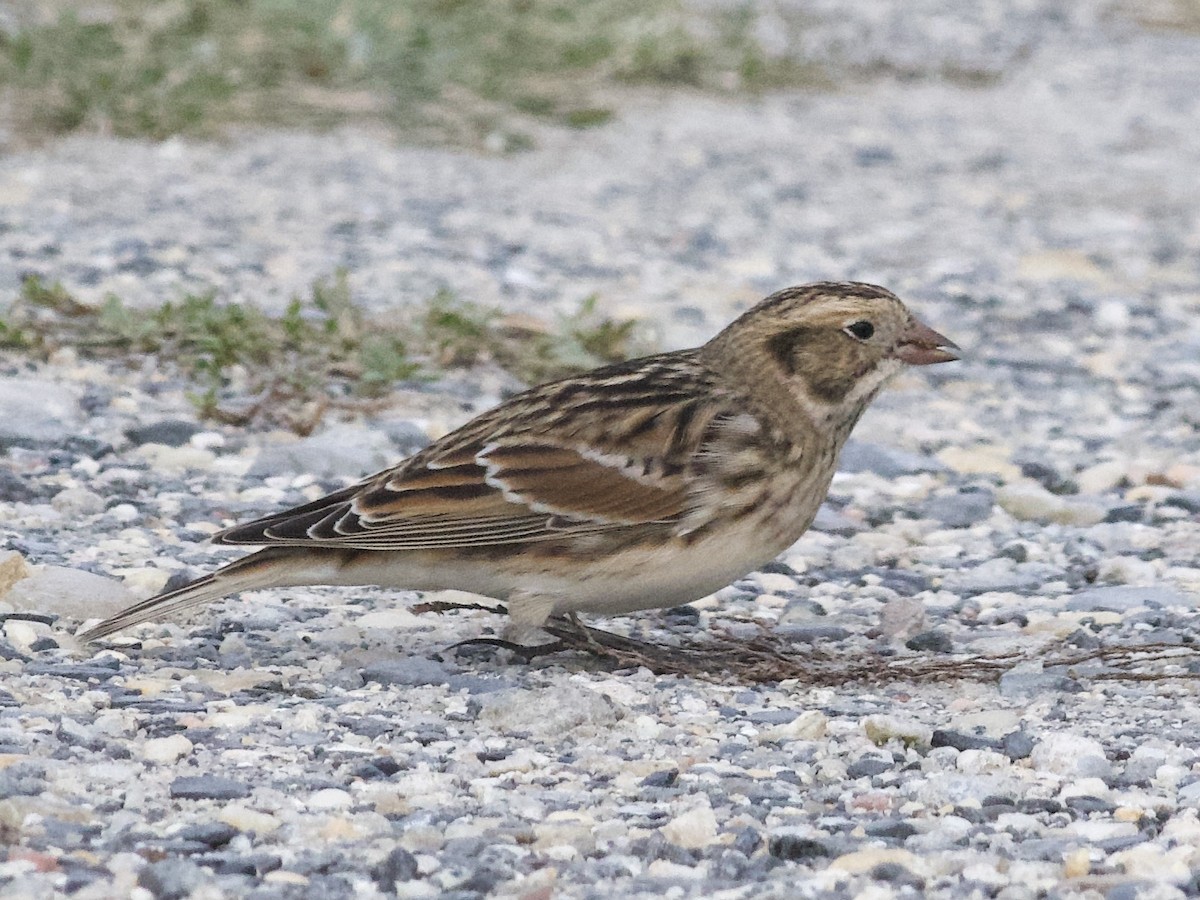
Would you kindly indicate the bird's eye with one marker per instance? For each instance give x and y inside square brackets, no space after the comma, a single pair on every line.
[860,330]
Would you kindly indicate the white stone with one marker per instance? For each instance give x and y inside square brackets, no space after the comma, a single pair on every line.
[330,799]
[166,750]
[78,501]
[1064,753]
[72,593]
[245,819]
[880,729]
[810,725]
[396,617]
[693,829]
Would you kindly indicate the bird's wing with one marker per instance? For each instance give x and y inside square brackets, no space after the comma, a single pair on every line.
[554,462]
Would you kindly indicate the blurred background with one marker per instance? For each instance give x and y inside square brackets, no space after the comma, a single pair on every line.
[542,186]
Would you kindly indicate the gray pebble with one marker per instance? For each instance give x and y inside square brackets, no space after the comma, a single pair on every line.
[171,879]
[412,671]
[1123,598]
[858,456]
[208,787]
[172,432]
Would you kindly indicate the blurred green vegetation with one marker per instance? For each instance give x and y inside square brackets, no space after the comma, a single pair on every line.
[457,70]
[245,366]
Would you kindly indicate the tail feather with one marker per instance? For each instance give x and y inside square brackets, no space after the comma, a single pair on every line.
[258,570]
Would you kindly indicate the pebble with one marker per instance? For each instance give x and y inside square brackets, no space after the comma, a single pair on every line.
[208,787]
[1031,502]
[36,413]
[693,829]
[1064,753]
[339,451]
[1124,599]
[166,750]
[70,593]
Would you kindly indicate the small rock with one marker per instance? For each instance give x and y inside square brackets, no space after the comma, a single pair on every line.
[1017,745]
[169,432]
[1024,683]
[244,819]
[897,874]
[810,725]
[70,593]
[212,834]
[340,451]
[867,859]
[208,787]
[1122,598]
[960,510]
[930,642]
[171,878]
[902,617]
[330,799]
[880,729]
[413,671]
[548,711]
[888,462]
[960,741]
[13,568]
[166,750]
[693,829]
[1064,753]
[37,413]
[78,501]
[398,865]
[794,847]
[1030,502]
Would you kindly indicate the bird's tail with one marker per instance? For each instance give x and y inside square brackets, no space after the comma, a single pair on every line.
[258,570]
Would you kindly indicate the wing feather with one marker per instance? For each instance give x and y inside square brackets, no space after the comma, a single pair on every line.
[601,452]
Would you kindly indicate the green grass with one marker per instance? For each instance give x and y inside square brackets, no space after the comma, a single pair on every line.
[462,70]
[245,366]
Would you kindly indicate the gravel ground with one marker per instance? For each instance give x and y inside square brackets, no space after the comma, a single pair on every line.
[1023,173]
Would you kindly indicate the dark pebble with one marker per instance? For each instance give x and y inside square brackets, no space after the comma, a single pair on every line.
[1089,804]
[172,432]
[868,766]
[398,865]
[747,841]
[812,634]
[682,615]
[14,488]
[1131,513]
[212,834]
[793,847]
[259,864]
[906,584]
[930,642]
[664,779]
[962,509]
[960,741]
[898,875]
[208,787]
[1017,745]
[1033,805]
[74,671]
[893,829]
[170,879]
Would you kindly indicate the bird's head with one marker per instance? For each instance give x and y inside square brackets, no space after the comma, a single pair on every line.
[831,345]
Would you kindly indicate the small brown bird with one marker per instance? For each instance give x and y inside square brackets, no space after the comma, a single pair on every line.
[645,484]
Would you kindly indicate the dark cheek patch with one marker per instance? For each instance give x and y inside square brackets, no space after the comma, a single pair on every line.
[825,362]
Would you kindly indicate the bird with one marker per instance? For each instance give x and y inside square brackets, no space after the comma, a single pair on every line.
[645,484]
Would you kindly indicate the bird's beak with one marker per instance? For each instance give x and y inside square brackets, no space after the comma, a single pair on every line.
[920,345]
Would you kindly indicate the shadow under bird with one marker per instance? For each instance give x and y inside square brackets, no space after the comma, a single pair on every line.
[649,483]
